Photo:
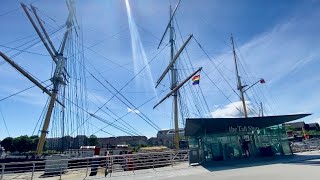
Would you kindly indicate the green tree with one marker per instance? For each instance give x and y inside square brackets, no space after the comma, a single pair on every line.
[93,140]
[22,144]
[7,143]
[34,142]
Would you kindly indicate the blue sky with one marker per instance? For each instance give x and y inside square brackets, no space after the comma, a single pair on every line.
[276,40]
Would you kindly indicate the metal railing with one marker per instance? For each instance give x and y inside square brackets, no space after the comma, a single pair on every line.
[92,166]
[306,145]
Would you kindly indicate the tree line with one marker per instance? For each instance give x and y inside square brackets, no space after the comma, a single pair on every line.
[26,143]
[20,144]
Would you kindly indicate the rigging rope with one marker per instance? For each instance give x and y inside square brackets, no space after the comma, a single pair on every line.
[215,66]
[222,92]
[118,91]
[14,94]
[127,113]
[4,122]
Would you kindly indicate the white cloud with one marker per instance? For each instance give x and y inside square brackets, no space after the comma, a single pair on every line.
[231,110]
[133,110]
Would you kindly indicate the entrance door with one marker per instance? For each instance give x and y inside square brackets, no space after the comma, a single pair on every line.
[248,146]
[217,151]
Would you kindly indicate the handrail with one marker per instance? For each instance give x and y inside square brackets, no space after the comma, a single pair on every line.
[83,166]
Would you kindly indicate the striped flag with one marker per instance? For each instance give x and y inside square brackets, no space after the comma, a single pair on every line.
[196,80]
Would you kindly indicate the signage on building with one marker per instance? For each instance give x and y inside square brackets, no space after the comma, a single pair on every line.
[242,129]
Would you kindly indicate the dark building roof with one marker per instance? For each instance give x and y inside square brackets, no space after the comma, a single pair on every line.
[297,125]
[314,126]
[201,126]
[169,133]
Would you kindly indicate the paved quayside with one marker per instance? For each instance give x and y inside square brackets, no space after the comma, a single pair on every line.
[301,166]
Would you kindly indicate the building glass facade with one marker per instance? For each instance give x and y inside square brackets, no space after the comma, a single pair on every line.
[241,142]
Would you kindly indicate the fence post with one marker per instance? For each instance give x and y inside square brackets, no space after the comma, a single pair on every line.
[2,171]
[152,160]
[60,172]
[33,168]
[132,159]
[87,168]
[171,159]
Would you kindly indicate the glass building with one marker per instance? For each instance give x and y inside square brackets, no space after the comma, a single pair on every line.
[217,139]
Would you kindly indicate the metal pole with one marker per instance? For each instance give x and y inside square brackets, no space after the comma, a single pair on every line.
[33,167]
[87,168]
[152,161]
[2,171]
[60,172]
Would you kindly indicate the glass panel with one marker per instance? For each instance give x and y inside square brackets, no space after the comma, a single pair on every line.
[264,142]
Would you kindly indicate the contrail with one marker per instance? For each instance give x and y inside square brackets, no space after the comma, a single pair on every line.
[139,55]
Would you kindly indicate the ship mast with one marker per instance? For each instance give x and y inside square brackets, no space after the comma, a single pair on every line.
[173,85]
[240,86]
[60,73]
[171,67]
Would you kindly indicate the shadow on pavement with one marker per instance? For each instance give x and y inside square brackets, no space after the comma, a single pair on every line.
[251,162]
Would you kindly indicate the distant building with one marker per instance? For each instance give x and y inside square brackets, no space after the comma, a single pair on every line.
[314,126]
[66,142]
[297,126]
[123,140]
[169,133]
[165,138]
[83,151]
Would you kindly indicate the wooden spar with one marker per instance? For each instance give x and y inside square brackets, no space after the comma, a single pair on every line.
[43,29]
[27,75]
[46,124]
[68,23]
[177,88]
[173,60]
[38,32]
